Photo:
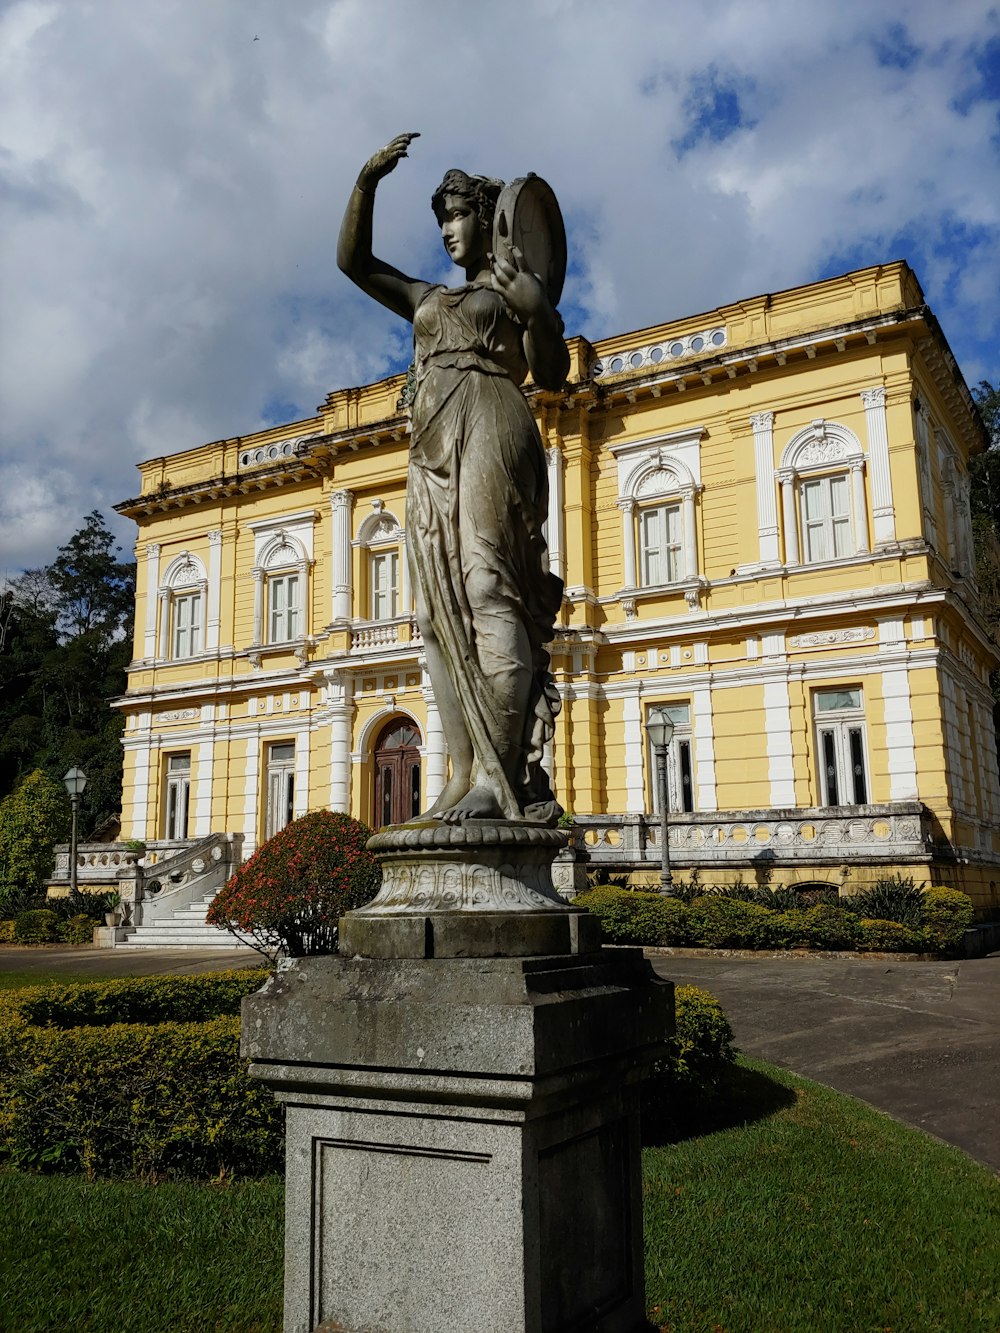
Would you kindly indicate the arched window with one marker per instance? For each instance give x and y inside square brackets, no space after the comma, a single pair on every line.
[386,586]
[659,536]
[824,506]
[183,596]
[397,773]
[280,587]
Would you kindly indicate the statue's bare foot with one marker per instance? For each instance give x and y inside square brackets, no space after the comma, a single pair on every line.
[455,788]
[479,803]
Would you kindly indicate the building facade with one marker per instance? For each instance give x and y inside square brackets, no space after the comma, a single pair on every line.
[761,516]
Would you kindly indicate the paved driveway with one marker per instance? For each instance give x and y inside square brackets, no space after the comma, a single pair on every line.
[99,964]
[918,1040]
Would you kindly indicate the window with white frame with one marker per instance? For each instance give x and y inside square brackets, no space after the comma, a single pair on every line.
[280,787]
[660,546]
[383,573]
[284,608]
[178,793]
[680,762]
[823,496]
[826,518]
[840,740]
[187,629]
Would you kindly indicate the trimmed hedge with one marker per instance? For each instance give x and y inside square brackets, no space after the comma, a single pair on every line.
[37,927]
[719,921]
[6,932]
[134,1098]
[703,1045]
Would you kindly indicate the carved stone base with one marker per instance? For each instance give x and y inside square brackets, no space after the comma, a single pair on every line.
[482,889]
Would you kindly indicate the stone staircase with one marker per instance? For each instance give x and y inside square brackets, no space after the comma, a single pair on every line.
[183,928]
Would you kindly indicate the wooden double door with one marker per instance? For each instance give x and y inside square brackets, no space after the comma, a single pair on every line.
[397,774]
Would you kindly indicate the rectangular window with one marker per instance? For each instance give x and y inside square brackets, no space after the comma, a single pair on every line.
[280,788]
[178,796]
[187,625]
[285,611]
[385,585]
[660,544]
[840,733]
[680,765]
[826,517]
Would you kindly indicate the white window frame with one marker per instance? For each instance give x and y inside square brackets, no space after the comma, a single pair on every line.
[667,548]
[282,567]
[284,621]
[823,451]
[842,749]
[186,636]
[184,588]
[279,787]
[384,591]
[827,530]
[177,803]
[680,762]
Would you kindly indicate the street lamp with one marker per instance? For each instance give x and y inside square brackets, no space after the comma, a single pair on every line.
[74,782]
[660,730]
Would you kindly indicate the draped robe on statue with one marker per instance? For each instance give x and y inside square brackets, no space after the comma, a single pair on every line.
[477,496]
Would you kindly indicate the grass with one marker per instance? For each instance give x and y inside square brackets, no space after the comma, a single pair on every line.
[18,980]
[815,1214]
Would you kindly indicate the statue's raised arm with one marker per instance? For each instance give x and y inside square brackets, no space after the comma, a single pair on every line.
[354,246]
[477,485]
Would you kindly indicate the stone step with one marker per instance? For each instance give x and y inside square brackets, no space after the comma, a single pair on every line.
[166,937]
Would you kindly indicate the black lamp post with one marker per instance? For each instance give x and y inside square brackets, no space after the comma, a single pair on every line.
[74,782]
[660,730]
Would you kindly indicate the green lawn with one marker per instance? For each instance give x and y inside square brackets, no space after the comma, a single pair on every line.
[818,1216]
[18,980]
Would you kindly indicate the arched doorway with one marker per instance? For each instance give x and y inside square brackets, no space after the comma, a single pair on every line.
[397,773]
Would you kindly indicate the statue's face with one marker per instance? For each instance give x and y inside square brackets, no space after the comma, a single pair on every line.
[460,231]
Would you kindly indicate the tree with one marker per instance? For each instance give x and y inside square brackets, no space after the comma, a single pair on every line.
[94,591]
[33,818]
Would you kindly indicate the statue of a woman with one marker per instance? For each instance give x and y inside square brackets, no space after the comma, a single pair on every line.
[477,493]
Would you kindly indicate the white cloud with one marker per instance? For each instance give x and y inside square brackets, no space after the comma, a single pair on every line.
[172,191]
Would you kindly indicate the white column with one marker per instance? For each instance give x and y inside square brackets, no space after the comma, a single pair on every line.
[340,504]
[688,531]
[704,748]
[166,601]
[789,518]
[206,764]
[152,584]
[900,753]
[300,797]
[435,752]
[557,506]
[405,596]
[340,688]
[258,605]
[878,455]
[778,733]
[767,509]
[860,504]
[142,771]
[251,795]
[627,506]
[214,588]
[635,787]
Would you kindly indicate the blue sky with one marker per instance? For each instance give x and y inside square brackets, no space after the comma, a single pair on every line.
[171,190]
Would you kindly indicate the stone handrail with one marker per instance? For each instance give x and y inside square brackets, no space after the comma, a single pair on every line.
[751,837]
[173,875]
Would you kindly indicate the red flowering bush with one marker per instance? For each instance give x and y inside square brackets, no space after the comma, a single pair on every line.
[294,889]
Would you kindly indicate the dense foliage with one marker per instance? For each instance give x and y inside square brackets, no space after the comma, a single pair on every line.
[64,645]
[33,818]
[909,920]
[292,892]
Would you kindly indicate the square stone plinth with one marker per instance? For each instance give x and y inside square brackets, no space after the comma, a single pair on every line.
[462,1139]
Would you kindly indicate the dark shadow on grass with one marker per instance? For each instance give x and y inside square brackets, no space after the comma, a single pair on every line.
[672,1112]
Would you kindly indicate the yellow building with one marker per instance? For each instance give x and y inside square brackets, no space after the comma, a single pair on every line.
[761,515]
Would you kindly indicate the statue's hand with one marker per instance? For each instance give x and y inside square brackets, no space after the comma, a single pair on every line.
[519,287]
[385,160]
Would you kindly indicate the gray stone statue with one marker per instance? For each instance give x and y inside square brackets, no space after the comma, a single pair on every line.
[477,491]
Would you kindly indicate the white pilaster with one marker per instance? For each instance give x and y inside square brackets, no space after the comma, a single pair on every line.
[251,798]
[144,757]
[788,516]
[340,688]
[900,753]
[206,765]
[152,584]
[778,731]
[688,532]
[435,753]
[340,504]
[405,595]
[300,798]
[767,509]
[627,506]
[878,455]
[635,787]
[557,506]
[704,748]
[859,501]
[166,603]
[214,588]
[258,606]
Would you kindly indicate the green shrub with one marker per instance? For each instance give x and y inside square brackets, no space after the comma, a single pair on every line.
[699,1055]
[727,923]
[134,1100]
[295,888]
[945,915]
[893,898]
[37,927]
[890,937]
[6,932]
[636,918]
[823,927]
[134,1000]
[33,818]
[77,929]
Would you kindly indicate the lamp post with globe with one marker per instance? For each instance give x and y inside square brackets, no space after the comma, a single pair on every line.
[660,730]
[74,782]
